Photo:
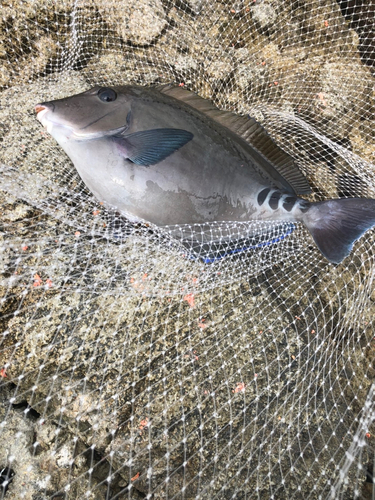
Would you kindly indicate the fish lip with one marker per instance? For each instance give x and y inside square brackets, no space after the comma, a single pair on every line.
[38,108]
[44,105]
[40,112]
[41,116]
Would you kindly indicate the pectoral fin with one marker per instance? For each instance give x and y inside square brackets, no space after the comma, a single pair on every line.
[152,146]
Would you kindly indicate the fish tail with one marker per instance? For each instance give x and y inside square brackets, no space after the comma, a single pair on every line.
[335,225]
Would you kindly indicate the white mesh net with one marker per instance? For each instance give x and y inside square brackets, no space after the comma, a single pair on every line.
[130,369]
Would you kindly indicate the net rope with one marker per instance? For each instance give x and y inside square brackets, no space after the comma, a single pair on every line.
[131,368]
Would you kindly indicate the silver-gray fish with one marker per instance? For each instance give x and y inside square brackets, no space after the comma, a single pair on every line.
[166,156]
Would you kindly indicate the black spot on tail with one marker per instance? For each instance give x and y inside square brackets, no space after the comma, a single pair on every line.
[304,206]
[274,200]
[289,203]
[262,196]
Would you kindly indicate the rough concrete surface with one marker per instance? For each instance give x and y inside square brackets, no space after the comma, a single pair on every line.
[128,370]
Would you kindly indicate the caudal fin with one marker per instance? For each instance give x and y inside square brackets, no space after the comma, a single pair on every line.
[336,224]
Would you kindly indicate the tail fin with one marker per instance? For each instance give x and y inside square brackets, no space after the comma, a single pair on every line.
[336,224]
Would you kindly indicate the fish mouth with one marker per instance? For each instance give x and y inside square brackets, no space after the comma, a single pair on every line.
[41,112]
[39,108]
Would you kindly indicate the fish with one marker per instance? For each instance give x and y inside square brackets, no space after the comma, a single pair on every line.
[166,156]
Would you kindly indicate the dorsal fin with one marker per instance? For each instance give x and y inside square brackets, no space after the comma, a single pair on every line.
[250,131]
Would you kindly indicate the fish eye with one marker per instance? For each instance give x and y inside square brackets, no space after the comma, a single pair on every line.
[106,94]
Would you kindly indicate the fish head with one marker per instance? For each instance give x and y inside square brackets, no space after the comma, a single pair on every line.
[94,114]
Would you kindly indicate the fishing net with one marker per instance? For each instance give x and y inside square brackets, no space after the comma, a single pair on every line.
[136,363]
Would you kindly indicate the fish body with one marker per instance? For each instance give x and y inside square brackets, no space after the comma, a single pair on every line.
[166,156]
